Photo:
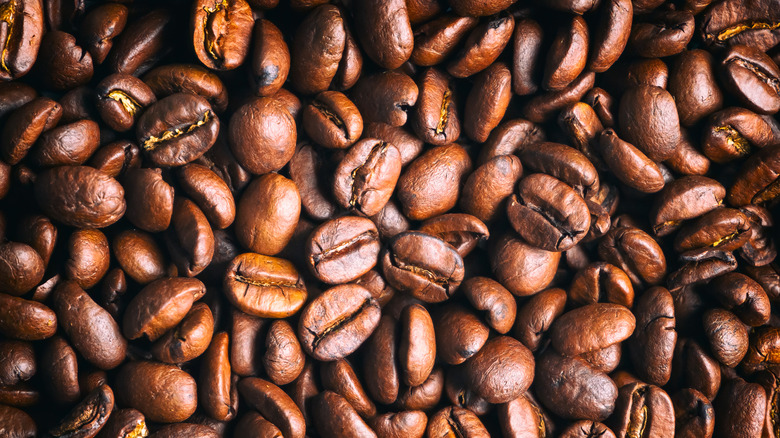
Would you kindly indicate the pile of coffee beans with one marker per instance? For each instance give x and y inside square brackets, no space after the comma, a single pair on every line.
[389,218]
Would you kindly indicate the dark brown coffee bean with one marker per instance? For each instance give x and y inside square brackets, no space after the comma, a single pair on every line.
[527,57]
[483,46]
[21,268]
[630,165]
[743,296]
[160,306]
[601,282]
[88,258]
[422,265]
[385,31]
[339,377]
[487,102]
[557,214]
[267,214]
[150,198]
[163,393]
[317,49]
[522,268]
[509,138]
[189,339]
[253,425]
[489,186]
[644,409]
[386,97]
[653,342]
[591,327]
[186,78]
[693,85]
[333,415]
[462,231]
[185,429]
[99,28]
[685,198]
[569,388]
[70,144]
[16,423]
[456,421]
[727,335]
[649,120]
[542,107]
[603,104]
[438,38]
[210,192]
[264,286]
[343,249]
[636,253]
[436,117]
[564,163]
[143,42]
[694,415]
[430,185]
[25,31]
[309,171]
[409,423]
[338,321]
[214,388]
[25,125]
[612,34]
[221,32]
[762,352]
[270,58]
[568,55]
[726,229]
[735,133]
[332,120]
[366,177]
[59,371]
[90,328]
[662,34]
[89,416]
[262,135]
[26,320]
[120,99]
[743,422]
[283,359]
[190,239]
[381,372]
[177,129]
[735,22]
[274,405]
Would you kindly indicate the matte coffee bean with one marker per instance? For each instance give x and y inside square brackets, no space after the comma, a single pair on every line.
[163,393]
[267,214]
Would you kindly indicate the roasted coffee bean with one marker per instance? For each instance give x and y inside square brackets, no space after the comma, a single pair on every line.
[25,124]
[264,286]
[652,344]
[629,164]
[438,38]
[462,231]
[89,416]
[189,339]
[365,179]
[643,409]
[693,85]
[734,22]
[483,46]
[190,238]
[332,120]
[99,28]
[648,119]
[267,214]
[568,387]
[424,266]
[754,78]
[487,102]
[591,327]
[171,79]
[143,42]
[727,336]
[262,128]
[338,321]
[283,359]
[693,413]
[386,97]
[120,99]
[611,35]
[70,144]
[456,421]
[522,268]
[343,249]
[735,133]
[548,213]
[163,393]
[489,186]
[150,198]
[160,306]
[436,117]
[568,55]
[177,129]
[274,405]
[636,253]
[221,32]
[746,421]
[685,198]
[91,329]
[527,51]
[601,282]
